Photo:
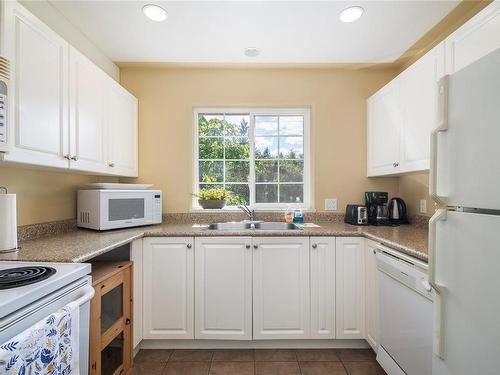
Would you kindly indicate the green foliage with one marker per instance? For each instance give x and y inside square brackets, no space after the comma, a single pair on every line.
[215,194]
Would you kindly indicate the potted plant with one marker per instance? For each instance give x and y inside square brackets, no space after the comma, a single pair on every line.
[214,198]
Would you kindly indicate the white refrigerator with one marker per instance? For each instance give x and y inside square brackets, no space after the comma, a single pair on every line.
[464,235]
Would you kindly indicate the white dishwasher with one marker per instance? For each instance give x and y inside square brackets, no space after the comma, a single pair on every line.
[405,315]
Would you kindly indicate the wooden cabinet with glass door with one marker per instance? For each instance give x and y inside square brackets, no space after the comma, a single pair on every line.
[111,318]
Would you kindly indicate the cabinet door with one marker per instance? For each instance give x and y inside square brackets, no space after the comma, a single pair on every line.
[322,258]
[350,287]
[475,39]
[168,288]
[122,120]
[419,95]
[87,114]
[38,108]
[223,288]
[281,303]
[136,255]
[384,122]
[372,295]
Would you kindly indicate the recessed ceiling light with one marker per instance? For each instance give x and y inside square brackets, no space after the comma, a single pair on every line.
[351,14]
[252,51]
[154,12]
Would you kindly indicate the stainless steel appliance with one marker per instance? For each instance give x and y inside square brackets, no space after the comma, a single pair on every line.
[376,205]
[463,235]
[103,209]
[397,211]
[356,214]
[405,312]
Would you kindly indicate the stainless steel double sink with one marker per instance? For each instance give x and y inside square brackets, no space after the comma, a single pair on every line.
[251,226]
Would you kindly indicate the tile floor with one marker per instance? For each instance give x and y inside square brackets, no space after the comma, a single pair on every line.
[257,362]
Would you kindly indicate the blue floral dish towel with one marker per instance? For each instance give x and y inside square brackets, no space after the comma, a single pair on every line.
[50,347]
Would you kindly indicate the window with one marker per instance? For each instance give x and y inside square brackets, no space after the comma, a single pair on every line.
[259,155]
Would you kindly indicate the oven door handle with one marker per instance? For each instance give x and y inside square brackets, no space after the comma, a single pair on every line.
[89,294]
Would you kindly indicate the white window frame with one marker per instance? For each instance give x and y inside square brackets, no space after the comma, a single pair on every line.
[252,112]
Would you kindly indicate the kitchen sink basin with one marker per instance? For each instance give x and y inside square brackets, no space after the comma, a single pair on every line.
[244,226]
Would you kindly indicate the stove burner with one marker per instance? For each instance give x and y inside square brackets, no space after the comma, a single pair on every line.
[21,276]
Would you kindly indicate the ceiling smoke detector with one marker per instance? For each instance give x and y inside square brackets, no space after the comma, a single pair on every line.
[351,14]
[252,51]
[154,12]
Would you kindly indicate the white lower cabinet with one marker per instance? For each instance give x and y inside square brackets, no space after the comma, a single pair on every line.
[223,288]
[322,260]
[372,295]
[350,287]
[168,288]
[281,297]
[136,256]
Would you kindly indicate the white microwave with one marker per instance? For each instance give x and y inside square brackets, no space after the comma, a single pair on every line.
[110,209]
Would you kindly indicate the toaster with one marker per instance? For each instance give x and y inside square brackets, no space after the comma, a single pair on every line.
[356,214]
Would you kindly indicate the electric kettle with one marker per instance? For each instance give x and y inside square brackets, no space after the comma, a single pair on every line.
[397,211]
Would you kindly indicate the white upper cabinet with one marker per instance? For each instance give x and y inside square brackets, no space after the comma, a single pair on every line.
[168,282]
[65,112]
[384,126]
[122,128]
[475,39]
[281,298]
[419,96]
[350,287]
[87,114]
[223,289]
[322,259]
[38,108]
[372,295]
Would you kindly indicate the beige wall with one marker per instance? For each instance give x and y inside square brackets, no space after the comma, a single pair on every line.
[337,98]
[43,195]
[414,187]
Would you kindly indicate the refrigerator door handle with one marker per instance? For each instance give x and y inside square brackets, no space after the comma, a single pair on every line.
[440,289]
[442,127]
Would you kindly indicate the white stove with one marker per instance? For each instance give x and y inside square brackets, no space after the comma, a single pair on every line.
[29,292]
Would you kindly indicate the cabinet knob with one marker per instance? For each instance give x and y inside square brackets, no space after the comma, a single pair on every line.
[395,164]
[127,322]
[112,165]
[255,246]
[374,251]
[247,246]
[189,246]
[314,246]
[75,158]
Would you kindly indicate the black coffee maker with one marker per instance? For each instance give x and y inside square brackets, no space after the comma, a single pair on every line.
[376,205]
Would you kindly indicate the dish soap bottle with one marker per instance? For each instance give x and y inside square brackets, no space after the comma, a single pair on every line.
[298,218]
[289,214]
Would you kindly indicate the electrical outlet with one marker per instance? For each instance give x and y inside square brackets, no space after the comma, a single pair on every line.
[423,206]
[331,204]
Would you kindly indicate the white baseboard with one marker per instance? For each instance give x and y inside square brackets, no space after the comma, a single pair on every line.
[263,344]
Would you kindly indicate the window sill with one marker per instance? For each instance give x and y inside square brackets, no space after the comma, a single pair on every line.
[230,210]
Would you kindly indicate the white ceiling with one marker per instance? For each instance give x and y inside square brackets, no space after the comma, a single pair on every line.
[284,31]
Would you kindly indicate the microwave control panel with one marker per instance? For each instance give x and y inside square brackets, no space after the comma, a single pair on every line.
[3,119]
[157,216]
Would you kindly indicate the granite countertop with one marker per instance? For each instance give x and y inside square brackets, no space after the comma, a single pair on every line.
[82,245]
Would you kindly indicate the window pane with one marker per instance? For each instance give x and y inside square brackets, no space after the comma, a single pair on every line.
[266,171]
[292,147]
[266,147]
[291,170]
[210,186]
[210,125]
[266,125]
[266,193]
[240,195]
[237,125]
[237,148]
[290,193]
[237,171]
[291,125]
[211,171]
[211,148]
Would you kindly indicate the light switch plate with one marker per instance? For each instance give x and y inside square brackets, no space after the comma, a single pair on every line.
[423,206]
[331,204]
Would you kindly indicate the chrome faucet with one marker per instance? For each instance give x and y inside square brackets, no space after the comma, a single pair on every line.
[250,213]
